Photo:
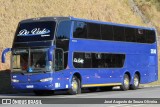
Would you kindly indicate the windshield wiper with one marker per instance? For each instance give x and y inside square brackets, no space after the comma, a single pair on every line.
[22,73]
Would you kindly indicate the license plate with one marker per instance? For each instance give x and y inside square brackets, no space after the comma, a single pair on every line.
[30,86]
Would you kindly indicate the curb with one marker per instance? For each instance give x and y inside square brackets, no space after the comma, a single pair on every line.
[150,86]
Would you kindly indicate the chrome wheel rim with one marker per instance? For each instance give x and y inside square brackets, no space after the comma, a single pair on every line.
[126,82]
[136,82]
[74,85]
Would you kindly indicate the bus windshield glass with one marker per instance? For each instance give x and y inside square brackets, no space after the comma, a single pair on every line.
[20,60]
[35,59]
[35,31]
[38,59]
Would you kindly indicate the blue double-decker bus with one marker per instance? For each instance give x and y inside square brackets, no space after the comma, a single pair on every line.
[67,53]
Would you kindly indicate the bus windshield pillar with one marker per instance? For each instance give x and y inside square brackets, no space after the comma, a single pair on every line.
[4,54]
[50,53]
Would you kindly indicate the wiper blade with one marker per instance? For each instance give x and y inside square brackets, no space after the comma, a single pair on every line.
[22,73]
[44,72]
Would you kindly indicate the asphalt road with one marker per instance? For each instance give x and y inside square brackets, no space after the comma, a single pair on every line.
[145,92]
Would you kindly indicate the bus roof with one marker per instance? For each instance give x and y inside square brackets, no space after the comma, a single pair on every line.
[44,19]
[111,23]
[53,18]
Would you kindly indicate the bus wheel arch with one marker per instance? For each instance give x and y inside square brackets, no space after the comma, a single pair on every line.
[136,81]
[126,81]
[79,77]
[75,84]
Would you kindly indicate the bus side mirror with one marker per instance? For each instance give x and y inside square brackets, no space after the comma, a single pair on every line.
[4,54]
[50,53]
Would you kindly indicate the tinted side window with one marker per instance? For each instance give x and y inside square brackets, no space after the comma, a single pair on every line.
[59,60]
[78,60]
[65,59]
[114,60]
[63,35]
[87,60]
[93,31]
[140,36]
[130,34]
[119,33]
[119,60]
[82,60]
[107,32]
[150,36]
[64,29]
[98,60]
[80,30]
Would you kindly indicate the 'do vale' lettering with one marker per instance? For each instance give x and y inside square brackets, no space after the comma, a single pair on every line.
[35,31]
[79,60]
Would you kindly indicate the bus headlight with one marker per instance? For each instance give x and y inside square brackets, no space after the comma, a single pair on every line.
[46,79]
[15,80]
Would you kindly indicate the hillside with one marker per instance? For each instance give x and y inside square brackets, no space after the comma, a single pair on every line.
[12,11]
[151,9]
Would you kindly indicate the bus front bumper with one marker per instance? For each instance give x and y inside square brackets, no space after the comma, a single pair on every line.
[33,86]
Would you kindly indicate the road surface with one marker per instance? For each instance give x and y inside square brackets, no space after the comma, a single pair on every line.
[145,92]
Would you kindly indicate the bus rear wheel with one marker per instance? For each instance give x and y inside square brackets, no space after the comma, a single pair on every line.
[126,83]
[136,82]
[75,86]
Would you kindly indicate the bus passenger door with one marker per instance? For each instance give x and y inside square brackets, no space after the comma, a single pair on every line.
[59,62]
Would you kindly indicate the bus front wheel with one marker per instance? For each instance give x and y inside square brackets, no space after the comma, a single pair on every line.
[126,83]
[135,84]
[75,86]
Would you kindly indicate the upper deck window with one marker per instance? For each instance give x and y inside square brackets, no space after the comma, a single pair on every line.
[88,30]
[130,34]
[80,30]
[140,36]
[150,36]
[35,31]
[64,29]
[107,32]
[93,31]
[63,35]
[118,33]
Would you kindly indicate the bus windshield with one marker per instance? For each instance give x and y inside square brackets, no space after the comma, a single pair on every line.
[20,60]
[36,59]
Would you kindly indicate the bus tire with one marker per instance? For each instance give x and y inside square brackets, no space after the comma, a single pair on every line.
[126,83]
[75,86]
[136,82]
